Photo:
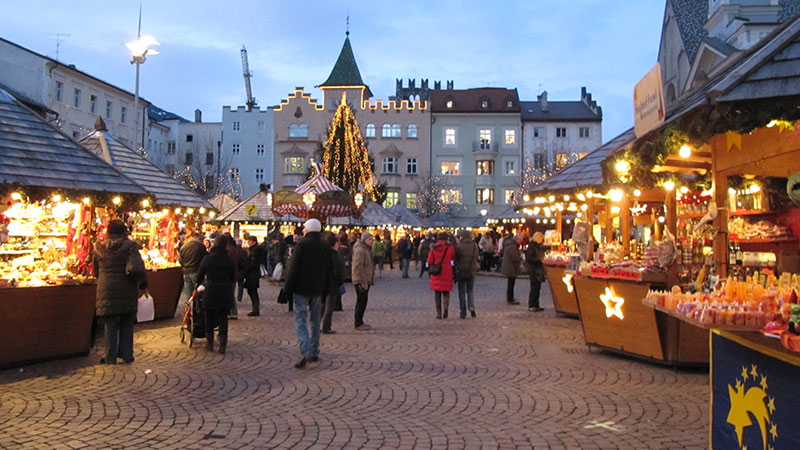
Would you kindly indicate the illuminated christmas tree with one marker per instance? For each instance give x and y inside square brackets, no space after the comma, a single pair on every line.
[345,160]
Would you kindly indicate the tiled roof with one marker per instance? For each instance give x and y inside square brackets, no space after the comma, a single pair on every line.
[587,171]
[163,187]
[691,17]
[561,111]
[440,220]
[790,9]
[406,216]
[256,205]
[223,202]
[35,153]
[345,72]
[720,45]
[158,114]
[470,100]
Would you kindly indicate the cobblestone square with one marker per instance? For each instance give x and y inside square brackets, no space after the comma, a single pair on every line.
[506,379]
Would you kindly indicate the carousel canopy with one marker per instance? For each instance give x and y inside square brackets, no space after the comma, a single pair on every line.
[35,153]
[317,184]
[158,183]
[405,216]
[256,208]
[440,220]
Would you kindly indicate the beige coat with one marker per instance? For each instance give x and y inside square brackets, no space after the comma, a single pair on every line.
[362,265]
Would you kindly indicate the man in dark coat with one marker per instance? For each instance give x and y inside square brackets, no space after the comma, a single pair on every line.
[424,249]
[218,273]
[466,268]
[117,292]
[255,255]
[310,272]
[333,294]
[533,259]
[511,261]
[405,249]
[191,253]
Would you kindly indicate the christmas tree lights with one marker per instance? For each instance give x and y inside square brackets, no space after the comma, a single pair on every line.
[345,160]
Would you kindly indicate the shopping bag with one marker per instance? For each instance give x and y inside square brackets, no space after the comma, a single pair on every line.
[146,311]
[262,271]
[283,298]
[277,274]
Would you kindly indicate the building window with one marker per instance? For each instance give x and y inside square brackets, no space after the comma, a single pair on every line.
[561,159]
[484,167]
[370,130]
[260,150]
[298,130]
[76,98]
[189,138]
[485,137]
[259,175]
[189,159]
[93,104]
[451,167]
[237,125]
[509,103]
[411,201]
[450,137]
[412,131]
[209,158]
[386,130]
[484,196]
[109,107]
[538,161]
[170,169]
[59,91]
[293,165]
[538,132]
[397,130]
[234,174]
[485,103]
[411,166]
[510,167]
[390,164]
[392,198]
[171,147]
[451,195]
[449,103]
[209,182]
[509,196]
[510,137]
[261,126]
[583,132]
[236,149]
[123,114]
[561,132]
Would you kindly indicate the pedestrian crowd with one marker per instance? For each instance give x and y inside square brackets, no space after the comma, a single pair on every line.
[312,267]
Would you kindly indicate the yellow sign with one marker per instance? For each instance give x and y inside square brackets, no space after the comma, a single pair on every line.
[251,210]
[613,304]
[648,102]
[752,403]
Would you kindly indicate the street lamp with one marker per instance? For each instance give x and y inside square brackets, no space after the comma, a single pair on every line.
[139,51]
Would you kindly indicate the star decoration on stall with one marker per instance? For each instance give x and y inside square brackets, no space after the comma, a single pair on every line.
[751,406]
[613,304]
[568,282]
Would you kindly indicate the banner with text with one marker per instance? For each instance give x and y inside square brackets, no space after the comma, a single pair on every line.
[648,102]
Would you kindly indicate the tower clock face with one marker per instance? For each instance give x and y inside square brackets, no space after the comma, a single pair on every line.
[793,187]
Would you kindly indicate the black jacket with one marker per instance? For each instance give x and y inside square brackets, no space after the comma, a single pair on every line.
[218,274]
[405,248]
[191,254]
[255,257]
[116,292]
[533,258]
[337,279]
[310,267]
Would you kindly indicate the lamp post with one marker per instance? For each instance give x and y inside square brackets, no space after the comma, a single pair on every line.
[139,51]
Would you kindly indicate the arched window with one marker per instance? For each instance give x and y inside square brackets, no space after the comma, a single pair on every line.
[386,130]
[298,130]
[370,130]
[397,130]
[412,130]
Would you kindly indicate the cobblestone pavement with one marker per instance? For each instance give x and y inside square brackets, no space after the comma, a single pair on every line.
[506,379]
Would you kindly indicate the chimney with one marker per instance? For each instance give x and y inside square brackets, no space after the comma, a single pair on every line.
[198,116]
[543,101]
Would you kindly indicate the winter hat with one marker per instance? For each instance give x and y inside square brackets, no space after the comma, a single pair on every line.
[365,235]
[312,225]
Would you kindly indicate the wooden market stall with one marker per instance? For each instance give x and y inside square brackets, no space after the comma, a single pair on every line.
[50,188]
[157,225]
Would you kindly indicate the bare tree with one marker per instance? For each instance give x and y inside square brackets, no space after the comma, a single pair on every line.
[533,176]
[209,174]
[432,195]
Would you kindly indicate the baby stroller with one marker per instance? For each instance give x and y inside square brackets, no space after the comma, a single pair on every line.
[193,318]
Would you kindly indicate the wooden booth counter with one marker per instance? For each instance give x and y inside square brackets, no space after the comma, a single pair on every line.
[42,323]
[165,286]
[614,318]
[565,301]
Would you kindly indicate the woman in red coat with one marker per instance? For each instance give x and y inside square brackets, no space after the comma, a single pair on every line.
[442,252]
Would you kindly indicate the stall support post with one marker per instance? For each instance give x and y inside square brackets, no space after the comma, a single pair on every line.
[625,223]
[590,220]
[609,223]
[721,199]
[559,227]
[672,216]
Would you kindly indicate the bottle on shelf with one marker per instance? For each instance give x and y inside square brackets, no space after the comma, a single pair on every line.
[739,254]
[732,253]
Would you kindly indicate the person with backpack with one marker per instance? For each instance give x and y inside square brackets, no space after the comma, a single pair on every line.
[466,268]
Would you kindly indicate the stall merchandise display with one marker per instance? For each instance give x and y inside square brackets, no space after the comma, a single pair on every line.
[742,228]
[157,235]
[557,258]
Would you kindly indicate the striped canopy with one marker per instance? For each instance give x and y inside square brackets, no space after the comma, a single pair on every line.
[317,184]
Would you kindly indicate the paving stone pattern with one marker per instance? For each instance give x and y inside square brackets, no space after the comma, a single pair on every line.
[506,379]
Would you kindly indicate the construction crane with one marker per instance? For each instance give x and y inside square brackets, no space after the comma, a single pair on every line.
[251,101]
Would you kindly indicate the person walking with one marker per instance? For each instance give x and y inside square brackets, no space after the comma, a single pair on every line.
[310,273]
[378,253]
[533,259]
[363,271]
[387,242]
[116,300]
[252,274]
[333,295]
[466,268]
[442,253]
[416,241]
[424,250]
[511,265]
[405,250]
[486,245]
[190,255]
[218,275]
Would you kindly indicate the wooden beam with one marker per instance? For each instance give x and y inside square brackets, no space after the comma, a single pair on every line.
[672,213]
[590,219]
[625,223]
[609,225]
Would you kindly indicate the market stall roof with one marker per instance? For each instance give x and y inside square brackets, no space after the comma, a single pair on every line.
[585,172]
[223,202]
[163,187]
[477,222]
[406,216]
[35,153]
[255,208]
[510,213]
[317,184]
[348,220]
[375,215]
[440,220]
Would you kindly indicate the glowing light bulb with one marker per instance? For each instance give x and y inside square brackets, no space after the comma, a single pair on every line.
[145,203]
[87,201]
[684,190]
[202,210]
[685,151]
[669,185]
[637,193]
[755,188]
[526,198]
[16,196]
[616,195]
[56,198]
[116,200]
[622,166]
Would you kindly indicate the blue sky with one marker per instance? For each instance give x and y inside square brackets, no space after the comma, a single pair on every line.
[533,45]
